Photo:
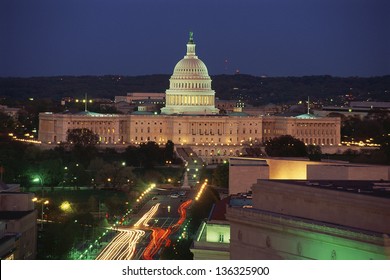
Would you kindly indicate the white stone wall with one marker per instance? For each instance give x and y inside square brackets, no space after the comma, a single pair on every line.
[337,207]
[243,173]
[348,172]
[262,236]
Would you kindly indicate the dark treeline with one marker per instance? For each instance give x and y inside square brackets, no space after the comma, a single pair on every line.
[82,166]
[256,90]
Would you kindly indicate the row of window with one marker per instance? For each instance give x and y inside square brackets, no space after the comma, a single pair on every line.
[318,141]
[192,85]
[155,123]
[192,70]
[198,123]
[146,130]
[317,124]
[314,132]
[90,123]
[148,138]
[99,130]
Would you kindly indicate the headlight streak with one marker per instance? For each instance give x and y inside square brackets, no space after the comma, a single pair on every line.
[123,246]
[147,216]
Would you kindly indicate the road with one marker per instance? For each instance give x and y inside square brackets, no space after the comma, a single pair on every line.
[150,229]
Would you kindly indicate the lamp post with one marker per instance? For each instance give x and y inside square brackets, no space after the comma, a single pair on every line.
[40,180]
[43,203]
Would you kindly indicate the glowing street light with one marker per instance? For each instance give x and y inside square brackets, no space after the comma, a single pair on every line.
[42,204]
[66,207]
[39,179]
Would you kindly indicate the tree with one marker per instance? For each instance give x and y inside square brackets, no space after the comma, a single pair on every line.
[83,142]
[113,174]
[169,151]
[131,156]
[150,154]
[221,175]
[82,137]
[7,125]
[285,146]
[314,152]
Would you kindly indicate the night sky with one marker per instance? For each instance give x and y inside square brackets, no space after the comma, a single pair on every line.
[137,37]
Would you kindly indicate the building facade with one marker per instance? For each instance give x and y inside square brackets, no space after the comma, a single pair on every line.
[190,118]
[18,224]
[312,220]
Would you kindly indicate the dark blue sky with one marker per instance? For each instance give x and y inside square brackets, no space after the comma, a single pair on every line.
[136,37]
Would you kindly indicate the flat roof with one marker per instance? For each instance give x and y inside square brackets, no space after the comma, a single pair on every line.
[315,222]
[7,237]
[374,188]
[14,215]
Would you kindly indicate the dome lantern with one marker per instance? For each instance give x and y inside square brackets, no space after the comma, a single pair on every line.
[191,46]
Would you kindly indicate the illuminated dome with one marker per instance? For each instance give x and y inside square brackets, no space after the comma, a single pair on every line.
[190,86]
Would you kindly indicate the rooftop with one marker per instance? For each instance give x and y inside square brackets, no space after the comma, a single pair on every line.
[373,188]
[14,215]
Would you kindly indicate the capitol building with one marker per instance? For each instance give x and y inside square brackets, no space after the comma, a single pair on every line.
[190,118]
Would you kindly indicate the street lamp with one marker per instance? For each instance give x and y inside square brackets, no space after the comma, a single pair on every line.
[40,180]
[43,203]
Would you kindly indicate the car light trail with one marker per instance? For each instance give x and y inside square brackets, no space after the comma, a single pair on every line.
[147,216]
[160,236]
[123,246]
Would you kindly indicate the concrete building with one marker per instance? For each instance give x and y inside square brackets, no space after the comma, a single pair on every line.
[190,118]
[134,97]
[12,112]
[297,219]
[8,243]
[355,109]
[308,128]
[213,237]
[18,225]
[244,172]
[348,172]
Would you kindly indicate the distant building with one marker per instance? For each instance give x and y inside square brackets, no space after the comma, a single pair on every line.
[355,109]
[190,117]
[226,105]
[134,97]
[12,112]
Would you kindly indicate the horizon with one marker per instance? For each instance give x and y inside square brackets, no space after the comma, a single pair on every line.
[211,75]
[279,38]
